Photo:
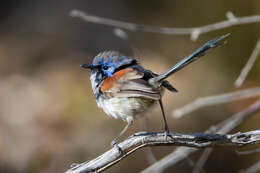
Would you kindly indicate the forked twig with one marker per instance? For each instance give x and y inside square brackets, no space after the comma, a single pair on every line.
[193,31]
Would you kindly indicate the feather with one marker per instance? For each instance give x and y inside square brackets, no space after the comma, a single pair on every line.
[129,83]
[168,86]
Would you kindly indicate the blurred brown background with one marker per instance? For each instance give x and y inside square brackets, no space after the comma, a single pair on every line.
[48,115]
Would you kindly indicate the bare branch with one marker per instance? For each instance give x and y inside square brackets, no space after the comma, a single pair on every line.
[216,99]
[223,127]
[193,31]
[254,168]
[135,142]
[199,140]
[248,65]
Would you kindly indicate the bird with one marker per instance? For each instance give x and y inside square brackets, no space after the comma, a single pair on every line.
[125,90]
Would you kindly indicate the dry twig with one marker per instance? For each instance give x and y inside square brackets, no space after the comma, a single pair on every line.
[216,99]
[248,65]
[193,31]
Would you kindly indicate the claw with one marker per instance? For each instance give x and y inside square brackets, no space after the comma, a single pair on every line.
[167,134]
[114,144]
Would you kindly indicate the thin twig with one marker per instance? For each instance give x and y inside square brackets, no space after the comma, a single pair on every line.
[183,152]
[254,168]
[193,31]
[216,99]
[248,65]
[248,152]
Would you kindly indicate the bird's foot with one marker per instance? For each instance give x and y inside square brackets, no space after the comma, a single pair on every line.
[168,134]
[114,144]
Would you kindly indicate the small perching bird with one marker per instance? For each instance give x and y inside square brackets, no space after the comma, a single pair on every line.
[124,89]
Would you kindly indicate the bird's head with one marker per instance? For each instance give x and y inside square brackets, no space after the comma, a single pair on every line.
[109,62]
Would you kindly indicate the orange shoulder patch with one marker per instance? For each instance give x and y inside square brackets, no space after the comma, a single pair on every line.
[109,81]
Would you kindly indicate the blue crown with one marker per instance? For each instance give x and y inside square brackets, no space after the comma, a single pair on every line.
[110,61]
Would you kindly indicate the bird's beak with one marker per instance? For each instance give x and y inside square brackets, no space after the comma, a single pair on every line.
[89,66]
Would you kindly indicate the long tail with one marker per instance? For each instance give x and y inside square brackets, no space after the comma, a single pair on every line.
[187,60]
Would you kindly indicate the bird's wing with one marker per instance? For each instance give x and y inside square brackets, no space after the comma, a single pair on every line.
[128,83]
[148,74]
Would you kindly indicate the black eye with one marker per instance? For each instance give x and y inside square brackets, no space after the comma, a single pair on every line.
[105,67]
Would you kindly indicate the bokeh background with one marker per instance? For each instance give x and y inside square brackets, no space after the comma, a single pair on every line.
[48,115]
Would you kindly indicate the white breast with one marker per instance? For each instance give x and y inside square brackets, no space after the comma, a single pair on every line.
[122,107]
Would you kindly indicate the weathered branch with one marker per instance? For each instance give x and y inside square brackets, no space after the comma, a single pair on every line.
[199,140]
[193,31]
[183,152]
[135,142]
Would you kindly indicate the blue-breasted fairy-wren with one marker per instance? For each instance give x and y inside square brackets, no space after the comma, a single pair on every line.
[125,90]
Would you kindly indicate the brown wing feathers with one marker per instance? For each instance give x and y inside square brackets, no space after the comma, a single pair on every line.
[128,83]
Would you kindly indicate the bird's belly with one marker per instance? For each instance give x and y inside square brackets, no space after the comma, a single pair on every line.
[122,107]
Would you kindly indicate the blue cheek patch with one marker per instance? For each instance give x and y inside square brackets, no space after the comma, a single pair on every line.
[112,66]
[109,72]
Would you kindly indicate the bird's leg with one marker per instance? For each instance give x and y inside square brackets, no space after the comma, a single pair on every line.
[166,128]
[129,122]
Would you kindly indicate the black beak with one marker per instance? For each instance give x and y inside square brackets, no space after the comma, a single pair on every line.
[89,66]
